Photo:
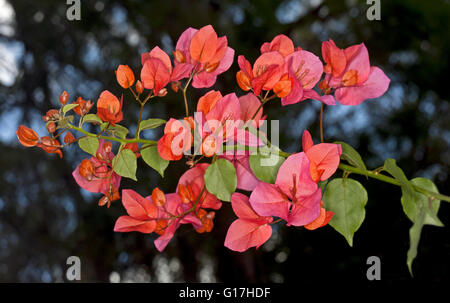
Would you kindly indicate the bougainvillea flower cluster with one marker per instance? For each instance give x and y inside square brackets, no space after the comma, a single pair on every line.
[221,142]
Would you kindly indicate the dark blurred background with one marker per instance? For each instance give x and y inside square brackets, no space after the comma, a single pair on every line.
[45,217]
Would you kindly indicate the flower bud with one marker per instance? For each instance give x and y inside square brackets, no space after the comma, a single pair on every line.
[161,225]
[158,197]
[51,127]
[282,88]
[185,193]
[212,67]
[64,98]
[179,56]
[27,137]
[103,201]
[107,147]
[69,138]
[139,87]
[243,81]
[175,86]
[162,92]
[86,169]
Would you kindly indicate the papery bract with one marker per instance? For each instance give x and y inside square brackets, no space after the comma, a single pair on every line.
[350,73]
[27,137]
[250,229]
[103,178]
[109,108]
[177,139]
[324,157]
[294,197]
[124,76]
[204,54]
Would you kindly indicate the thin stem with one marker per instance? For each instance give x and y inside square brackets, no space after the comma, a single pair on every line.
[124,141]
[139,121]
[321,122]
[184,95]
[390,180]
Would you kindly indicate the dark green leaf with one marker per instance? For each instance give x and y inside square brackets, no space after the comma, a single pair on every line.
[153,159]
[347,199]
[220,179]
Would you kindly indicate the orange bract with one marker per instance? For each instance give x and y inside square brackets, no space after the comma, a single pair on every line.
[204,45]
[208,101]
[27,137]
[109,109]
[125,76]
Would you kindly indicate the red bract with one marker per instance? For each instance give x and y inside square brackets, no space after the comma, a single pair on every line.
[27,137]
[156,71]
[145,217]
[222,123]
[191,188]
[282,44]
[294,197]
[246,179]
[324,157]
[303,71]
[50,145]
[350,73]
[250,229]
[98,176]
[109,109]
[204,54]
[124,76]
[176,140]
[322,220]
[83,106]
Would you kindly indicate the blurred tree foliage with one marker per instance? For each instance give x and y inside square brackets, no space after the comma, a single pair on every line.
[45,217]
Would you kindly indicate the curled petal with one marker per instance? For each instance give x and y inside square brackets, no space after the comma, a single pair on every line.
[127,224]
[244,234]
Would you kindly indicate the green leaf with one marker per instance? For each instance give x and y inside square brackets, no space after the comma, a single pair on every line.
[414,238]
[64,122]
[220,179]
[125,164]
[92,118]
[89,144]
[421,210]
[350,155]
[412,207]
[117,130]
[391,167]
[153,159]
[151,123]
[265,165]
[347,199]
[68,107]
